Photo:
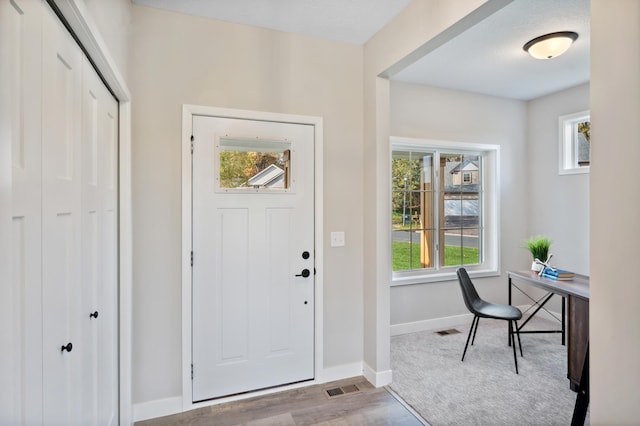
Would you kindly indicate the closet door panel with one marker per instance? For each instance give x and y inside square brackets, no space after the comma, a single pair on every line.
[20,127]
[108,290]
[99,287]
[91,218]
[61,225]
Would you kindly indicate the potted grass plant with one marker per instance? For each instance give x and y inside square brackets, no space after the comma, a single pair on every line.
[539,249]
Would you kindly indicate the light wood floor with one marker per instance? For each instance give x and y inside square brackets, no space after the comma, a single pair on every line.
[304,406]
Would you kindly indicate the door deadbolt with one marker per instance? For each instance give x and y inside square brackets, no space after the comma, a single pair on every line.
[304,274]
[305,255]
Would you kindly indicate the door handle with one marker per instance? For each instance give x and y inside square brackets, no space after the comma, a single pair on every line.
[66,347]
[304,274]
[94,315]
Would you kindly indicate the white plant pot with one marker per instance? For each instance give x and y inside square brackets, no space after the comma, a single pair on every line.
[536,266]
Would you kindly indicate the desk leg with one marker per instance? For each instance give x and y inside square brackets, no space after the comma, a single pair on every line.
[582,399]
[509,286]
[564,301]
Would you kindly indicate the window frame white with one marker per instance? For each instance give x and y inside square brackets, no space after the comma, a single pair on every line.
[490,214]
[567,143]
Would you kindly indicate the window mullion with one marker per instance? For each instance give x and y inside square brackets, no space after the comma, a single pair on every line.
[436,210]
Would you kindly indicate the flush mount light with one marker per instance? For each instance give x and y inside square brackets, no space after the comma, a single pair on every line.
[550,45]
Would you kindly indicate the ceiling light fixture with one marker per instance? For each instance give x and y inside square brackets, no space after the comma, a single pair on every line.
[550,45]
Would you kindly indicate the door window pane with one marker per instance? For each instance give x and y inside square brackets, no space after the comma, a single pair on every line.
[255,165]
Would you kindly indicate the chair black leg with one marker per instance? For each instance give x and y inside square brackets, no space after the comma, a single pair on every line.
[518,334]
[473,339]
[513,343]
[473,323]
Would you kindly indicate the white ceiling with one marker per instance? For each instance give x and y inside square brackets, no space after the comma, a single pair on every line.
[487,58]
[348,21]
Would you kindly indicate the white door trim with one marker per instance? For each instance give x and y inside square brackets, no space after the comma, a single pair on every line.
[188,111]
[81,22]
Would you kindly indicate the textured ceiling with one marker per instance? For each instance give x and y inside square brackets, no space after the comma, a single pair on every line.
[488,57]
[349,21]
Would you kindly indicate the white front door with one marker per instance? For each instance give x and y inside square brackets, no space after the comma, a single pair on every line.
[253,255]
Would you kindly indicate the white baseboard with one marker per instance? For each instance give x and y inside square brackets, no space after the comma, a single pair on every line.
[447,322]
[157,408]
[376,378]
[340,372]
[430,324]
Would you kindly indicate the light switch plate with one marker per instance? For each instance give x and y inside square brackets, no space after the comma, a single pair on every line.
[337,239]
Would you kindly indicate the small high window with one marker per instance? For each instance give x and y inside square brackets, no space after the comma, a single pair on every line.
[575,143]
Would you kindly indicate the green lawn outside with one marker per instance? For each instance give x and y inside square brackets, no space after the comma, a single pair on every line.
[452,256]
[396,222]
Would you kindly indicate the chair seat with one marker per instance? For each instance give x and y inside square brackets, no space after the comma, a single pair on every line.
[496,311]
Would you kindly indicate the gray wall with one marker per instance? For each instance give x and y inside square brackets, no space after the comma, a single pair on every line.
[441,114]
[178,59]
[113,19]
[559,204]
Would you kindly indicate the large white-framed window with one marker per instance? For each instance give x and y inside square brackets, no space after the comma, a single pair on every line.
[444,209]
[574,143]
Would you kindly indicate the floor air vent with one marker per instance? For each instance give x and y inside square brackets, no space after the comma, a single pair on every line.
[449,331]
[343,390]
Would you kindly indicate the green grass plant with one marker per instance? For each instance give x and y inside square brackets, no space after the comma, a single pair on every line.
[539,247]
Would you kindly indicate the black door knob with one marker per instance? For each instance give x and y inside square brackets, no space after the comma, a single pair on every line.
[94,315]
[67,348]
[305,273]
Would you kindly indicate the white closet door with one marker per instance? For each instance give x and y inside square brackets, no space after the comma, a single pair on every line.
[20,138]
[61,224]
[58,189]
[99,285]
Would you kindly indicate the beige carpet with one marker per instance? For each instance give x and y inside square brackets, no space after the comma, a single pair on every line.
[484,389]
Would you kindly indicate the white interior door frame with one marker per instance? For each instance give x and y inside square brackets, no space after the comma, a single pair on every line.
[188,111]
[79,19]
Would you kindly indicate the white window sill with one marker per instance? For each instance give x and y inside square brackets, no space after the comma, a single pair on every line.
[441,276]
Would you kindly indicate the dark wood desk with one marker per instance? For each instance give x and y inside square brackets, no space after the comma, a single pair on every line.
[576,292]
[578,286]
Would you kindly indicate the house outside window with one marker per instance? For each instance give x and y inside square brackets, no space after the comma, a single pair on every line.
[444,213]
